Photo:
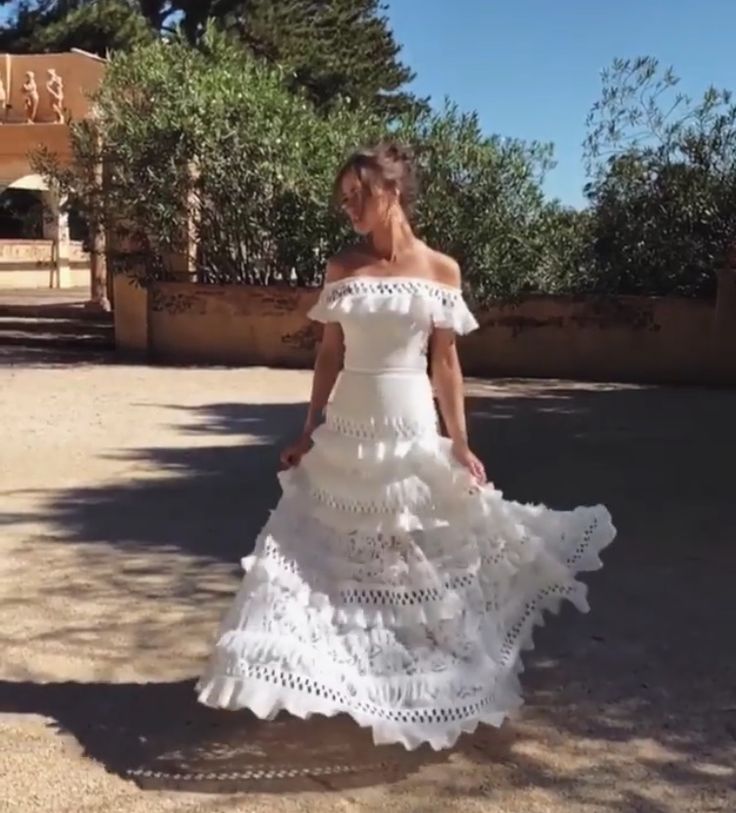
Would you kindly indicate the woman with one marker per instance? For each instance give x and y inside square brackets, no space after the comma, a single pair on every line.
[392,583]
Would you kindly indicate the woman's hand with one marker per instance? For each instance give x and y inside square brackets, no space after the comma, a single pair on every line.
[461,452]
[293,453]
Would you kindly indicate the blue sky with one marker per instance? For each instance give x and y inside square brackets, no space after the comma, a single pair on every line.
[531,68]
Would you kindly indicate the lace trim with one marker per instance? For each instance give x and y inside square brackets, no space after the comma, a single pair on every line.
[548,598]
[405,505]
[324,486]
[347,698]
[446,297]
[583,547]
[441,656]
[233,683]
[267,692]
[359,590]
[419,477]
[386,429]
[397,581]
[374,594]
[279,666]
[424,300]
[385,504]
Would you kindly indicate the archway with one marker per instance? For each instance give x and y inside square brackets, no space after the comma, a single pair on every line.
[22,214]
[30,211]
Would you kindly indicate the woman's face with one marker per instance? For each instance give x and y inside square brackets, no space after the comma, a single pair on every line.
[366,208]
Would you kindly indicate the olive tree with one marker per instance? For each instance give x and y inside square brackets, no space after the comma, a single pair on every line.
[663,188]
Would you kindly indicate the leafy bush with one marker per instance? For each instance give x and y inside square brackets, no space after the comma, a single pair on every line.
[481,199]
[211,140]
[663,195]
[214,132]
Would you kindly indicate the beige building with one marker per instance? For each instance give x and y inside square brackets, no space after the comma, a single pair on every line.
[41,246]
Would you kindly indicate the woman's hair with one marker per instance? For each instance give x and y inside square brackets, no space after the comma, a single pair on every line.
[387,164]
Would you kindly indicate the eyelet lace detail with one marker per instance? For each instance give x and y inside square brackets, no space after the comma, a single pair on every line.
[418,660]
[393,428]
[347,698]
[388,504]
[446,297]
[368,578]
[424,301]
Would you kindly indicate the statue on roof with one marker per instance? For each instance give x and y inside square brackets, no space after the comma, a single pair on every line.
[30,93]
[55,87]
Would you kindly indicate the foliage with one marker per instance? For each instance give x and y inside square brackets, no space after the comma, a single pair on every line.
[338,51]
[566,264]
[481,199]
[213,140]
[214,132]
[96,27]
[218,129]
[663,193]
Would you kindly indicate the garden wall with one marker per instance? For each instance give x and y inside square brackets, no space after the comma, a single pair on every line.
[630,339]
[32,264]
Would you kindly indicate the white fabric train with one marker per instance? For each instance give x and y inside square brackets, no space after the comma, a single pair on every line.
[387,584]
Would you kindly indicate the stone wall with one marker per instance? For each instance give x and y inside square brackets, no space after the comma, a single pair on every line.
[638,339]
[31,264]
[634,339]
[180,322]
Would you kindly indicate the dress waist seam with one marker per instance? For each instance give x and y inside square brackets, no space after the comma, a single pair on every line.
[385,371]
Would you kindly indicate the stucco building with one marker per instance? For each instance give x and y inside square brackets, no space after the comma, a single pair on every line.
[41,245]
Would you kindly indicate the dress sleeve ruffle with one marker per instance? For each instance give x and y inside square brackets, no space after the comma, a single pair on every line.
[440,305]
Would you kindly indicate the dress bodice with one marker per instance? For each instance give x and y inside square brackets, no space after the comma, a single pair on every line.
[387,321]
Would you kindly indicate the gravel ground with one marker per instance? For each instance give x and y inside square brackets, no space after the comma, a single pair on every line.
[129,494]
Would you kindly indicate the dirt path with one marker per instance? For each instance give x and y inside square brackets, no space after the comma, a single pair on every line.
[128,495]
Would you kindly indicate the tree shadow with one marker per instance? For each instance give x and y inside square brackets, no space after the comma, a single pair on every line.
[204,500]
[638,693]
[43,357]
[157,735]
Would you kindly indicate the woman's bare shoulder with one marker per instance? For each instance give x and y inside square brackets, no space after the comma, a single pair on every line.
[344,264]
[444,268]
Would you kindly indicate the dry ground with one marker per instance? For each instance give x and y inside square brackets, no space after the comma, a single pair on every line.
[128,495]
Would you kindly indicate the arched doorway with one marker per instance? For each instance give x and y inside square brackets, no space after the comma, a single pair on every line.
[22,214]
[36,249]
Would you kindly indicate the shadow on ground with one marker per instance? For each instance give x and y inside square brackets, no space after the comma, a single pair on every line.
[638,692]
[23,358]
[157,735]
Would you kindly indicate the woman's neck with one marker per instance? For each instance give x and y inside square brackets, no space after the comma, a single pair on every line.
[389,242]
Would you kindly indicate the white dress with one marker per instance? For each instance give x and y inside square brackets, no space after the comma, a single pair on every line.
[386,584]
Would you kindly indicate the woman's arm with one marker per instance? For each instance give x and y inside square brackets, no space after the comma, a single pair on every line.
[447,378]
[326,369]
[330,355]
